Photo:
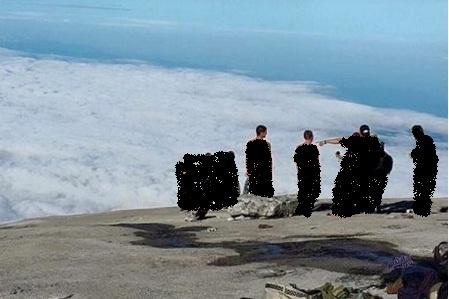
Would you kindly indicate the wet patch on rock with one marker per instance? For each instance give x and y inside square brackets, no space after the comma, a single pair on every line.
[341,254]
[306,236]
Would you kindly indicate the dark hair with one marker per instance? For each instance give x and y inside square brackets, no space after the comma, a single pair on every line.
[417,131]
[364,130]
[356,134]
[308,134]
[260,129]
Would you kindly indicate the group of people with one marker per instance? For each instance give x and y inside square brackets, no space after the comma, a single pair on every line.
[362,178]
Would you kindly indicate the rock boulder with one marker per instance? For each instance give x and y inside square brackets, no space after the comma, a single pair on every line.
[249,205]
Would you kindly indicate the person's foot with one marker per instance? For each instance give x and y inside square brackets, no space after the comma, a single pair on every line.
[201,214]
[302,212]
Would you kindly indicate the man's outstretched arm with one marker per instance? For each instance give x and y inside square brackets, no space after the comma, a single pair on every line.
[330,141]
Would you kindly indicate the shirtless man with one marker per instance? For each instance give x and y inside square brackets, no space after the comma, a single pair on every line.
[309,180]
[259,165]
[426,168]
[359,186]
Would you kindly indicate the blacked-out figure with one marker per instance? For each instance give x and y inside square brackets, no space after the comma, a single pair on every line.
[372,175]
[225,189]
[346,193]
[362,179]
[207,182]
[379,178]
[309,180]
[259,164]
[426,168]
[194,183]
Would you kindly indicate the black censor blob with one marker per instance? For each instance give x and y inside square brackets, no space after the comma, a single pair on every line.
[424,177]
[309,179]
[207,182]
[211,181]
[259,168]
[362,178]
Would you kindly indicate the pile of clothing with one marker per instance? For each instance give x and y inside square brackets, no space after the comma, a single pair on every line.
[411,280]
[327,291]
[403,276]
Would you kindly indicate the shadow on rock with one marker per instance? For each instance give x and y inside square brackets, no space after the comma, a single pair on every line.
[341,254]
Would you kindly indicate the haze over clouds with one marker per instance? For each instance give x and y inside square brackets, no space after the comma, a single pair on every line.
[82,137]
[358,44]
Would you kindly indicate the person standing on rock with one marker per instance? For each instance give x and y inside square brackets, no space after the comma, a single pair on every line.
[374,180]
[361,181]
[259,165]
[346,193]
[309,180]
[426,168]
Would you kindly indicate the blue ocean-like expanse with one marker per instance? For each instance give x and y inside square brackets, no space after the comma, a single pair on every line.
[381,53]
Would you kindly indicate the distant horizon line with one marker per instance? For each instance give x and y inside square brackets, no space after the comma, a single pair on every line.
[235,72]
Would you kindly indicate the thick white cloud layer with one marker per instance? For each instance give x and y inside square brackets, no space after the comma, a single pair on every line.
[80,137]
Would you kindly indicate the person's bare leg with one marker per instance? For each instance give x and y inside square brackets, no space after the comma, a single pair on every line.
[245,187]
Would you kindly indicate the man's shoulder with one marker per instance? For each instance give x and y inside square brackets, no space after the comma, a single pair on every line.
[251,140]
[428,139]
[306,147]
[299,147]
[374,138]
[345,141]
[375,142]
[258,142]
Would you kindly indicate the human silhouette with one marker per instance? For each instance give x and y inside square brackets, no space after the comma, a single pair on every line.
[309,180]
[259,164]
[426,168]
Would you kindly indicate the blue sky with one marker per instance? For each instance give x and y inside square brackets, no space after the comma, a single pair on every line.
[381,53]
[415,19]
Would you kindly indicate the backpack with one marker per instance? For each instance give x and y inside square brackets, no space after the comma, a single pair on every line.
[385,164]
